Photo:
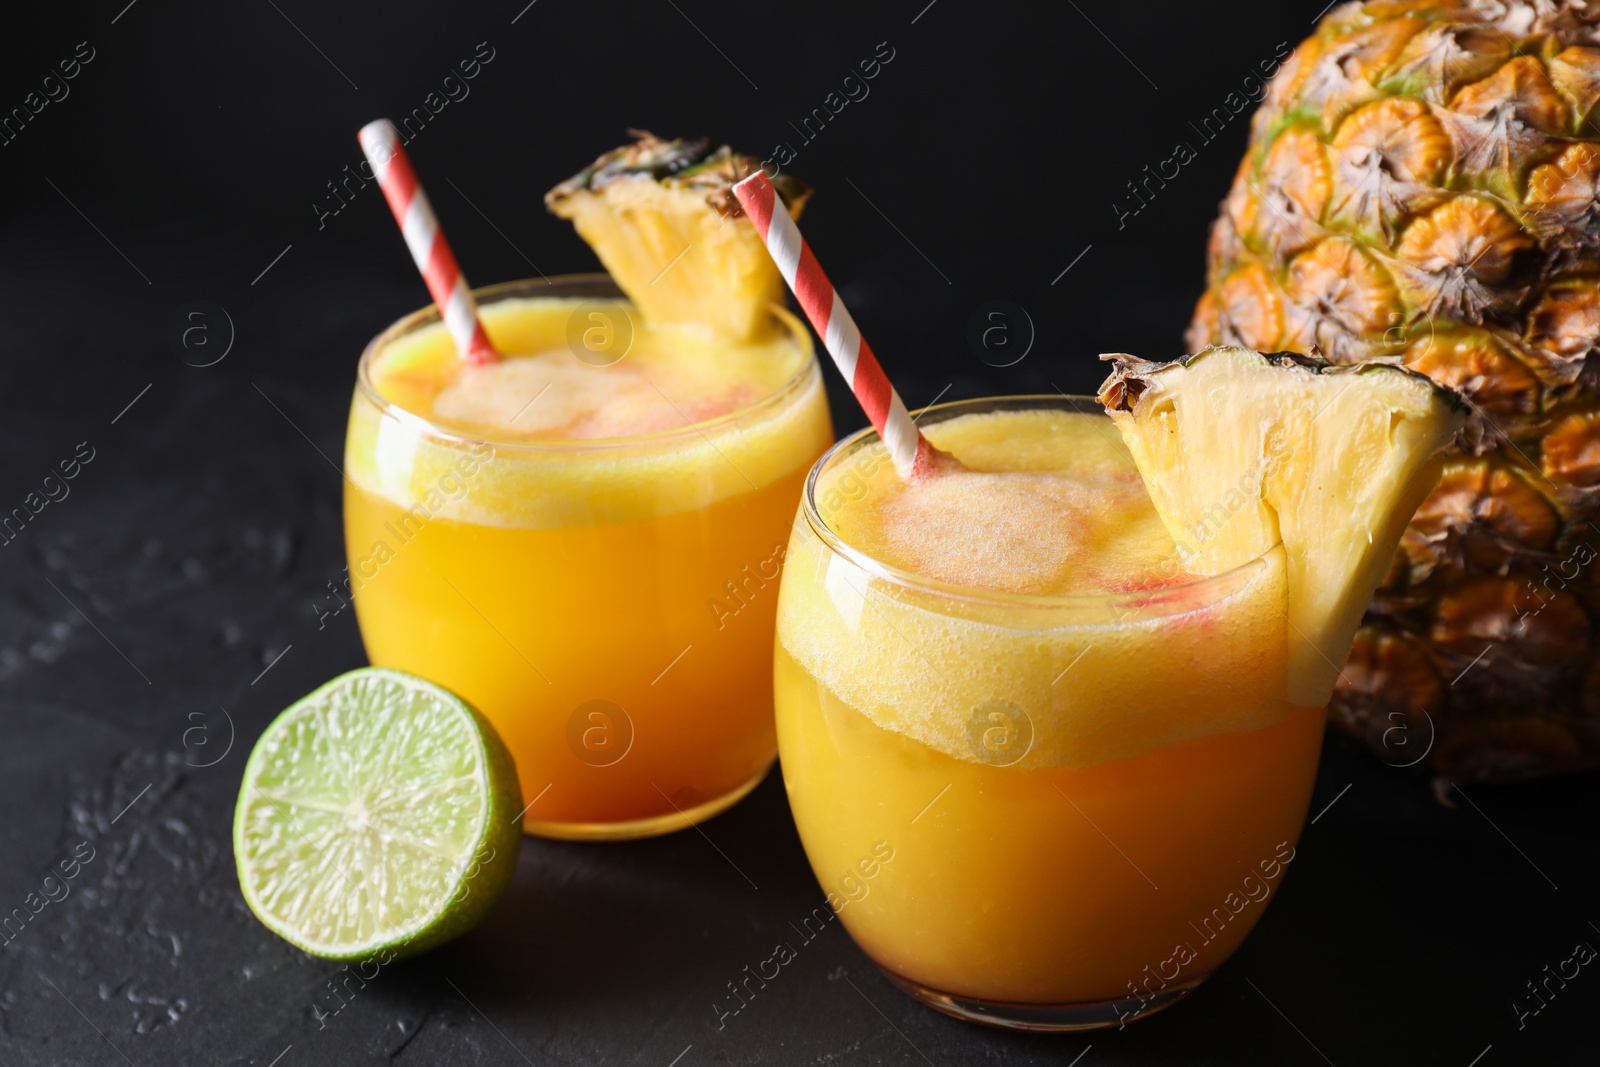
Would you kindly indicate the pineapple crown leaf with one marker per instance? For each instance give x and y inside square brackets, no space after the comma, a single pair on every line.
[686,162]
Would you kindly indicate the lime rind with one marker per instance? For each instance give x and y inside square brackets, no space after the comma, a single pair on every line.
[377,817]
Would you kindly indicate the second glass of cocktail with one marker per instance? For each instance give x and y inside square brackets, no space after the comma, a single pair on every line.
[1034,664]
[1049,715]
[1078,755]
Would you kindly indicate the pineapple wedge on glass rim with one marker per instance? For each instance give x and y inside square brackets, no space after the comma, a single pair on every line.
[662,217]
[1240,451]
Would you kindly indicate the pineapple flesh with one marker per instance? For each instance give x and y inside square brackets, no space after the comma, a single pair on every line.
[1423,183]
[662,217]
[1241,451]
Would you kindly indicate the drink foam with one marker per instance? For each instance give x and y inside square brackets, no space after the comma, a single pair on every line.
[556,395]
[625,462]
[1133,653]
[1058,511]
[547,389]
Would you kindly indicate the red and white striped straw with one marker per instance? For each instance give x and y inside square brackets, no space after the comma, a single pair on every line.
[381,142]
[911,452]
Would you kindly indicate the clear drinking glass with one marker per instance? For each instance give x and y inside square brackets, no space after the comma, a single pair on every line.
[607,603]
[1038,812]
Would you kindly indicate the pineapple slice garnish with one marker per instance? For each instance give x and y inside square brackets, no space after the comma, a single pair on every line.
[1240,451]
[662,217]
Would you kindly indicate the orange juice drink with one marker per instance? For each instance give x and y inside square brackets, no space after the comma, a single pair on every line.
[584,540]
[1048,779]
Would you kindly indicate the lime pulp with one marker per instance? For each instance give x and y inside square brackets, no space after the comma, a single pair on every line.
[378,817]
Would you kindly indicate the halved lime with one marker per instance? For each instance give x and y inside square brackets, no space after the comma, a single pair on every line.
[378,817]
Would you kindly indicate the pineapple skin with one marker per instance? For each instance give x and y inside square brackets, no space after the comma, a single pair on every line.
[1423,185]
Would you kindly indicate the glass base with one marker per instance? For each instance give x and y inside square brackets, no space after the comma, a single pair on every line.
[654,826]
[1085,1015]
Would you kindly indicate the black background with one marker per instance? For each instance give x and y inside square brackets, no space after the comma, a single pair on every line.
[184,170]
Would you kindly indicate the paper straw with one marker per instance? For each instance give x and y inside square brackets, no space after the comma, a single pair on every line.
[913,456]
[381,142]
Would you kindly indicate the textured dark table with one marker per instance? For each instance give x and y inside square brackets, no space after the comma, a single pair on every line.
[156,617]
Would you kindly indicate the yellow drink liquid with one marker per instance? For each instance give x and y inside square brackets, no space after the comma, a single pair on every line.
[1079,756]
[586,550]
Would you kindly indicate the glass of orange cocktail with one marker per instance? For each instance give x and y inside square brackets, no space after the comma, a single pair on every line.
[1048,778]
[584,539]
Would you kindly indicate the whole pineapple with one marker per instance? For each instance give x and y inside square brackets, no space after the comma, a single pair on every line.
[1423,184]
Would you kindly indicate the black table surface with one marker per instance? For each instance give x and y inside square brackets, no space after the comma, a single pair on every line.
[157,616]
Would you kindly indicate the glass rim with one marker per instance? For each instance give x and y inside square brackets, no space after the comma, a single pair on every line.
[429,314]
[1143,600]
